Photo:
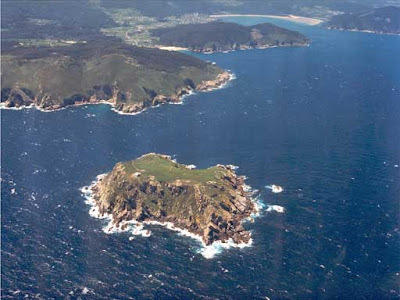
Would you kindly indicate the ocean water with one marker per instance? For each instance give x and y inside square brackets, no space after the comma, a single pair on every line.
[323,122]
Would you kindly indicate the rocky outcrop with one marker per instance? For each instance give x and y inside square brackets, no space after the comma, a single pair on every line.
[221,79]
[211,203]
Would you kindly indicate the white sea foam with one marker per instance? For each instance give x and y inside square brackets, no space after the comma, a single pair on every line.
[259,207]
[33,106]
[208,251]
[176,103]
[172,227]
[3,106]
[276,208]
[191,167]
[125,113]
[87,193]
[191,92]
[246,188]
[276,189]
[138,229]
[217,247]
[232,167]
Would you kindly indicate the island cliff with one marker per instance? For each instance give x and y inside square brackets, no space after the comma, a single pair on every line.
[211,203]
[129,78]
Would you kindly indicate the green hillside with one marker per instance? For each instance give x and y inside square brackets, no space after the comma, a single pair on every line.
[127,76]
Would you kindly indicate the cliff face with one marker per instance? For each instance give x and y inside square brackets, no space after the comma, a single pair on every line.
[211,202]
[129,78]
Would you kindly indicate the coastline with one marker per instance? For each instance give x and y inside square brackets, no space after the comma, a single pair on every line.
[292,18]
[245,47]
[363,30]
[220,82]
[136,228]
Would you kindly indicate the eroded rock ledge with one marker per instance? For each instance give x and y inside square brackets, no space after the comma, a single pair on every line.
[211,203]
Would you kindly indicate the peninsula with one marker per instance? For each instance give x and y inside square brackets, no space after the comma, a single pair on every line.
[128,78]
[225,36]
[384,20]
[211,203]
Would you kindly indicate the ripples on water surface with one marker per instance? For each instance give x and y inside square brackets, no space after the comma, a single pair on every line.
[322,121]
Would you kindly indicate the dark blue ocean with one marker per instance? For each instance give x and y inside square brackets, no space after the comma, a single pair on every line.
[323,122]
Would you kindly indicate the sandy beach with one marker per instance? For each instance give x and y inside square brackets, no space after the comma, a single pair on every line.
[171,48]
[293,18]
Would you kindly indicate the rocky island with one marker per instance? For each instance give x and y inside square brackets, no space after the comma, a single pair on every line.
[211,203]
[128,78]
[225,36]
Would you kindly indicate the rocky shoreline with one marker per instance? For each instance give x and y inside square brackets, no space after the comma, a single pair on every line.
[26,100]
[361,30]
[247,47]
[236,48]
[212,211]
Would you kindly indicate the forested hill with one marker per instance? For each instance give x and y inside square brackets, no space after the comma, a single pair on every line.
[380,20]
[221,36]
[131,78]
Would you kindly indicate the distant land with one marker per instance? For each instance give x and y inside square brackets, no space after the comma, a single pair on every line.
[127,77]
[309,8]
[42,23]
[94,54]
[385,20]
[292,18]
[225,36]
[210,203]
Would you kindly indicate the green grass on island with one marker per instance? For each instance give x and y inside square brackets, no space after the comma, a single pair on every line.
[166,170]
[209,202]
